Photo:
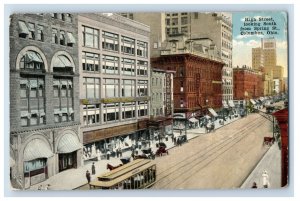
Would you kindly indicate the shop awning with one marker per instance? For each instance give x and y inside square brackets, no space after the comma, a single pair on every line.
[224,104]
[231,104]
[23,28]
[62,61]
[71,38]
[37,148]
[252,101]
[68,143]
[193,120]
[212,112]
[207,117]
[33,57]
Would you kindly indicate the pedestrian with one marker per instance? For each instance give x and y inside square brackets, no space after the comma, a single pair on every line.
[47,187]
[40,187]
[88,176]
[265,178]
[93,169]
[254,185]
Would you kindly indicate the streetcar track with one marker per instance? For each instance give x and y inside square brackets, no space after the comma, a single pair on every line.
[194,160]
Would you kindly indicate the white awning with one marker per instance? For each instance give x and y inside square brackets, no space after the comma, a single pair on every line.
[230,102]
[37,148]
[68,143]
[193,120]
[33,56]
[207,117]
[23,28]
[71,38]
[252,101]
[62,61]
[212,112]
[224,104]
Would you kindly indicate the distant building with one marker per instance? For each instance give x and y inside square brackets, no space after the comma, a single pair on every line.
[44,101]
[216,26]
[198,78]
[161,104]
[265,57]
[248,83]
[114,83]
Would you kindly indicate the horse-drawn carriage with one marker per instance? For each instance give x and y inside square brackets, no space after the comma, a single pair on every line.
[269,140]
[145,153]
[161,151]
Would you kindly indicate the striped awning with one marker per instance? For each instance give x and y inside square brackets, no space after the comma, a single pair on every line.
[212,112]
[37,149]
[71,38]
[23,28]
[68,143]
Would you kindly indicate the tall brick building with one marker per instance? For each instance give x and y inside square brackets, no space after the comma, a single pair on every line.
[248,83]
[198,78]
[44,97]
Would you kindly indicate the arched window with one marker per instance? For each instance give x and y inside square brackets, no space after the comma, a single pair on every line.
[32,61]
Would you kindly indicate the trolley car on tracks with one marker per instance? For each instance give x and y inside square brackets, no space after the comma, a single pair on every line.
[138,174]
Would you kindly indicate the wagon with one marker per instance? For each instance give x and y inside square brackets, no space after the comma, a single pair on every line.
[268,140]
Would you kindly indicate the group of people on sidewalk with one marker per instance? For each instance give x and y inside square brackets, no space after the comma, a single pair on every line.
[265,181]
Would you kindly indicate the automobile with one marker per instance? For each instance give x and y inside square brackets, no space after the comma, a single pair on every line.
[161,150]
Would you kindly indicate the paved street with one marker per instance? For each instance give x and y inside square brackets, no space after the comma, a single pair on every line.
[222,159]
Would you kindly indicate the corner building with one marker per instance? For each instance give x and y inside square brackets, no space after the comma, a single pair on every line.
[44,91]
[114,84]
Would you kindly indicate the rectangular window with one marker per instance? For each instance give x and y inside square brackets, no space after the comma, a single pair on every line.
[111,112]
[32,101]
[111,88]
[128,66]
[110,64]
[40,33]
[90,62]
[68,17]
[142,108]
[110,41]
[142,87]
[175,21]
[142,49]
[184,29]
[91,114]
[62,38]
[184,20]
[128,88]
[127,45]
[63,99]
[31,28]
[54,36]
[142,68]
[91,87]
[90,37]
[128,110]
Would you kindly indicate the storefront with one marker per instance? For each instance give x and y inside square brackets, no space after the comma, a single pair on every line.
[67,151]
[36,154]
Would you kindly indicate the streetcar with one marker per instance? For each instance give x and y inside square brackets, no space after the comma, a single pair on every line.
[138,174]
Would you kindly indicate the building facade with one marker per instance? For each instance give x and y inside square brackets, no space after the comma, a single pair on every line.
[114,84]
[197,82]
[161,114]
[248,83]
[44,91]
[265,57]
[216,26]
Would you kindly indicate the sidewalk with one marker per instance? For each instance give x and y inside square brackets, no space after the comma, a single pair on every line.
[271,162]
[74,178]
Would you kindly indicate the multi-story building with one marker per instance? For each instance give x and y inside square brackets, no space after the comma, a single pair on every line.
[278,74]
[247,83]
[265,57]
[44,91]
[114,83]
[216,26]
[161,114]
[198,78]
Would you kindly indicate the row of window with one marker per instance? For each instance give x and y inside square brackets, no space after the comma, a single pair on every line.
[112,88]
[114,42]
[174,21]
[113,112]
[111,65]
[36,32]
[62,16]
[157,112]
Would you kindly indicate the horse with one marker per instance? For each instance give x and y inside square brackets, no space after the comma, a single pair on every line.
[110,167]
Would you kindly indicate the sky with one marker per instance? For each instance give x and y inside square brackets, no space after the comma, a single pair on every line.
[243,43]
